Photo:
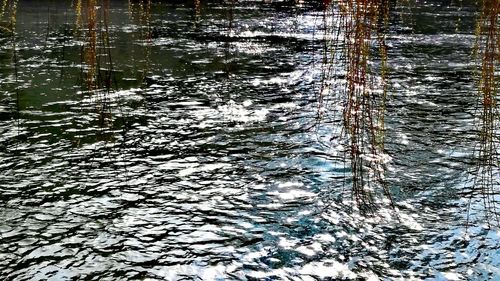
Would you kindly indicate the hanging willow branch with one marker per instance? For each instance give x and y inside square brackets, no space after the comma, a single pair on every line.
[487,50]
[140,12]
[361,40]
[8,19]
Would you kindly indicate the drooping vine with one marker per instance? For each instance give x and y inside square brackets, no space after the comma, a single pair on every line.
[360,42]
[486,173]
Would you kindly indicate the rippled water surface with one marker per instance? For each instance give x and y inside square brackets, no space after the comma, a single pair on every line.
[208,162]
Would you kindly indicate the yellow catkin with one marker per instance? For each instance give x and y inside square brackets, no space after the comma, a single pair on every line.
[91,49]
[78,12]
[3,8]
[197,7]
[13,14]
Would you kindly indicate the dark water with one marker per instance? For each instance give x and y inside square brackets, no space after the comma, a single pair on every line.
[208,162]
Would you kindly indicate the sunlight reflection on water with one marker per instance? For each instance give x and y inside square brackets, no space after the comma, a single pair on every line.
[214,168]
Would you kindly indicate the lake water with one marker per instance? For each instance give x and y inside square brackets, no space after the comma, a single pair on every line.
[208,162]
